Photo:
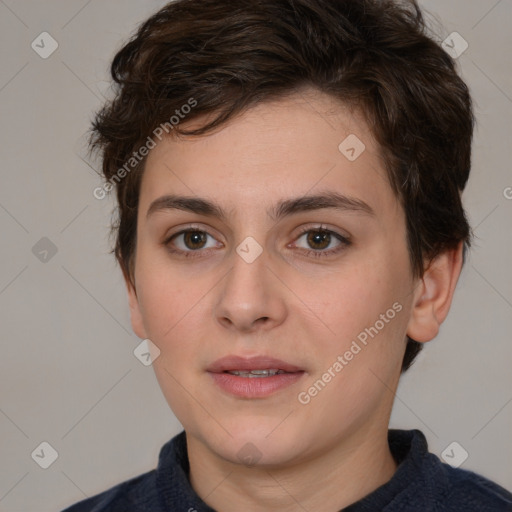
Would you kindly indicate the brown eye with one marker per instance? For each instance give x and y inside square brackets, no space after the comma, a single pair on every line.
[320,242]
[194,239]
[319,239]
[190,242]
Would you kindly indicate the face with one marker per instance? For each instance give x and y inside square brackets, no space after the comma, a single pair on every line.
[300,256]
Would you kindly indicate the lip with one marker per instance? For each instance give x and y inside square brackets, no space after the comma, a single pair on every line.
[231,363]
[258,387]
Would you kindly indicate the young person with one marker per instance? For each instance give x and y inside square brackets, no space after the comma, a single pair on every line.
[291,232]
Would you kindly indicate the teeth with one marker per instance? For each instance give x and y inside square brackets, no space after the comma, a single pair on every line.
[256,373]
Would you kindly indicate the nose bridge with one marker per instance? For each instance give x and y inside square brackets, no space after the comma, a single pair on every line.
[249,293]
[247,282]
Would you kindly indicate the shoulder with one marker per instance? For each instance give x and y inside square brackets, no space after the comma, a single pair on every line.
[424,480]
[471,491]
[165,488]
[138,494]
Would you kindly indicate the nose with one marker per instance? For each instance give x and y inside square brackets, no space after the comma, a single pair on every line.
[251,297]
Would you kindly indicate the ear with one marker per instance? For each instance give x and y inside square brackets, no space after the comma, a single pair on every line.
[433,296]
[135,313]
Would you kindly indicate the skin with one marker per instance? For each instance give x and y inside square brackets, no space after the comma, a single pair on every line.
[288,304]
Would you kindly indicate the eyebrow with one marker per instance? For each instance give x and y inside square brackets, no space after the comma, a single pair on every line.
[284,208]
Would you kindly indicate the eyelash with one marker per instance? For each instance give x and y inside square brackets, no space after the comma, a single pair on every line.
[345,242]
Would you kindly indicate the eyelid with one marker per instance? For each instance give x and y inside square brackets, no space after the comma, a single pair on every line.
[324,228]
[190,227]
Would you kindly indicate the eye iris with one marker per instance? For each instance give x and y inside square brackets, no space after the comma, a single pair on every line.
[194,237]
[319,237]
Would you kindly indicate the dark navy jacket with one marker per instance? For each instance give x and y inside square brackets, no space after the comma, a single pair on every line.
[421,483]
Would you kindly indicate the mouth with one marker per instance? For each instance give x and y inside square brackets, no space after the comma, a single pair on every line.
[254,377]
[256,373]
[257,366]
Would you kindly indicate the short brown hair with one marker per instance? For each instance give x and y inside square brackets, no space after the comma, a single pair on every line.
[229,55]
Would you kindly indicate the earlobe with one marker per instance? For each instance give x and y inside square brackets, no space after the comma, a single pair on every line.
[135,313]
[434,294]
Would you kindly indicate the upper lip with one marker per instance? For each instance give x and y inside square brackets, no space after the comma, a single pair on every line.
[231,363]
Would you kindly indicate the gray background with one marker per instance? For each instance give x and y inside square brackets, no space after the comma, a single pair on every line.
[68,373]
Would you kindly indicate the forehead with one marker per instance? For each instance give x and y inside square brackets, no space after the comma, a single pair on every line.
[288,147]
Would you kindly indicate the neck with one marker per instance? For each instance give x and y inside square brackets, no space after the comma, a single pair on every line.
[325,482]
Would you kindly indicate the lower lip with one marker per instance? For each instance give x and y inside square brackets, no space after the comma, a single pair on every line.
[255,387]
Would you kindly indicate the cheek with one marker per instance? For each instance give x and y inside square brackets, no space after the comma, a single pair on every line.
[176,312]
[350,301]
[164,296]
[366,310]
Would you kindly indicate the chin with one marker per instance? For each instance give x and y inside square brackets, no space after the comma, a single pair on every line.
[257,443]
